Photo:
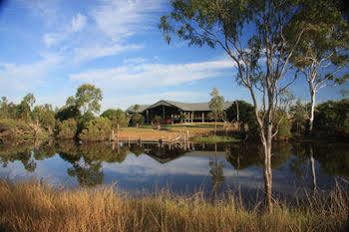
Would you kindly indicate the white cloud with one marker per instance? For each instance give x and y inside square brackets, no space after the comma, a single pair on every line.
[97,50]
[149,75]
[121,19]
[124,102]
[109,24]
[24,77]
[136,60]
[77,24]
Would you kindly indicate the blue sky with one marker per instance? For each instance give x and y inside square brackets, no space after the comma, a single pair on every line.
[51,47]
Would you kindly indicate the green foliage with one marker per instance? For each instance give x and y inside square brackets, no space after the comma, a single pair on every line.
[332,117]
[45,115]
[68,112]
[245,112]
[11,129]
[299,113]
[98,129]
[325,40]
[24,109]
[215,139]
[137,120]
[84,120]
[116,117]
[136,108]
[216,105]
[67,129]
[284,128]
[87,99]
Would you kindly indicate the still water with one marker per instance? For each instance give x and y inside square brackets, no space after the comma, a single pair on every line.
[182,170]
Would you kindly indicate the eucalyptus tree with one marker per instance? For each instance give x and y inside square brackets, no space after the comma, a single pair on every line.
[252,34]
[24,109]
[216,105]
[87,99]
[322,53]
[45,115]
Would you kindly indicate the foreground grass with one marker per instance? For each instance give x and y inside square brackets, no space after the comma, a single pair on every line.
[31,206]
[215,139]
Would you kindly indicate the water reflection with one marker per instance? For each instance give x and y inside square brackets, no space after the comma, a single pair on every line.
[213,168]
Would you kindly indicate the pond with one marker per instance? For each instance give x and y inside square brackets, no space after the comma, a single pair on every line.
[147,168]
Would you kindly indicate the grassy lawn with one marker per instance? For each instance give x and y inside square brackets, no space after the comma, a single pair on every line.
[170,132]
[31,206]
[215,139]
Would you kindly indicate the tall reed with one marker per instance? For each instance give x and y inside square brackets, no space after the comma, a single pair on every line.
[33,206]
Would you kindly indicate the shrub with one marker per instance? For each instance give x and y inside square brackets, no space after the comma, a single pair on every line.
[299,114]
[332,117]
[246,116]
[67,129]
[98,129]
[137,120]
[17,129]
[116,117]
[284,126]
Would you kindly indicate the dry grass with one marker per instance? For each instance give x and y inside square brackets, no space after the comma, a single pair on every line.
[170,133]
[31,206]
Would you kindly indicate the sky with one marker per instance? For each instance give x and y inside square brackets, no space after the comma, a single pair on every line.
[51,47]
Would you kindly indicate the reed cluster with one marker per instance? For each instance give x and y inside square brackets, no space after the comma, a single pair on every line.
[34,206]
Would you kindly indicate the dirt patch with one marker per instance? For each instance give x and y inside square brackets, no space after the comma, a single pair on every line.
[170,133]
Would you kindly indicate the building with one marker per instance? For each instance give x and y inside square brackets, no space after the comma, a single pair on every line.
[175,112]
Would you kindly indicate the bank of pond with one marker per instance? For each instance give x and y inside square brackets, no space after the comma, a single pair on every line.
[69,186]
[139,168]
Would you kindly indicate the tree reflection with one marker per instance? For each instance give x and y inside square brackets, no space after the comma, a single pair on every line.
[87,174]
[26,153]
[87,160]
[242,156]
[217,173]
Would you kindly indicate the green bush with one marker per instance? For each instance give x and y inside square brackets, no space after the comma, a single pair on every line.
[98,129]
[246,116]
[17,129]
[283,125]
[299,113]
[67,129]
[332,117]
[137,120]
[116,117]
[284,132]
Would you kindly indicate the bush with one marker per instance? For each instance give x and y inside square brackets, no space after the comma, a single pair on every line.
[299,114]
[11,129]
[67,129]
[98,129]
[246,116]
[137,120]
[284,132]
[333,117]
[284,127]
[116,117]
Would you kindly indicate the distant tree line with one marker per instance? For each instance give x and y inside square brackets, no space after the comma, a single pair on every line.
[77,119]
[331,119]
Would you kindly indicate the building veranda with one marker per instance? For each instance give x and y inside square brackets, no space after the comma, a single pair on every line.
[175,112]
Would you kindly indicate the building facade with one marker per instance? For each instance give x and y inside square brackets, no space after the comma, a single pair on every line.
[175,112]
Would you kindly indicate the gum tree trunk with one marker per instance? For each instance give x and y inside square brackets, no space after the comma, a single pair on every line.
[268,178]
[312,109]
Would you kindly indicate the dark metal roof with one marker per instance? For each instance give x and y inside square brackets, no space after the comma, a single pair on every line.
[203,106]
[141,108]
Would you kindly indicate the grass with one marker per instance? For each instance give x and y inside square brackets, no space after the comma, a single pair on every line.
[32,206]
[171,132]
[215,139]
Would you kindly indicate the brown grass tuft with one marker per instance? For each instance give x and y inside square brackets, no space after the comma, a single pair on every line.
[32,206]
